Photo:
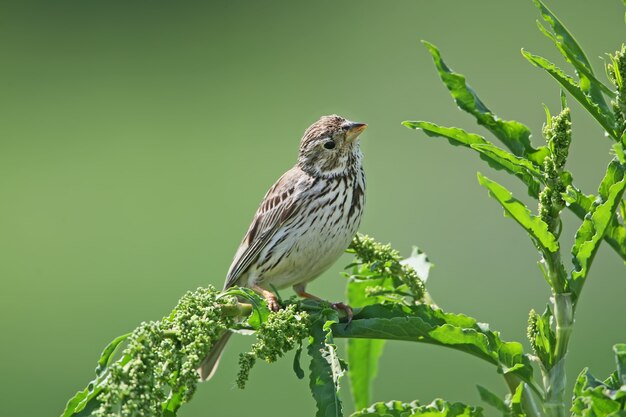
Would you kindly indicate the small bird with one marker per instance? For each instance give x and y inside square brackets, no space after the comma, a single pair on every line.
[305,222]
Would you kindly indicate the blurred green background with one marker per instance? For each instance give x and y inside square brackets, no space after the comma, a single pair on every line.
[138,138]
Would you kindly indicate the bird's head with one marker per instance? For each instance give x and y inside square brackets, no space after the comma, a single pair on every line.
[330,147]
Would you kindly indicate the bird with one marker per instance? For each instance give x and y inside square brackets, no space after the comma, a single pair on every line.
[304,223]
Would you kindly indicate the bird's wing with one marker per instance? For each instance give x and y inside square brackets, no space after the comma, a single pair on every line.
[278,206]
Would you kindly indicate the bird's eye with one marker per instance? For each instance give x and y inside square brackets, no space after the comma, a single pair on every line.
[345,128]
[330,144]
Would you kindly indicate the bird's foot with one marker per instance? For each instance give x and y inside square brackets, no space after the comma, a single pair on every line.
[345,308]
[270,297]
[272,302]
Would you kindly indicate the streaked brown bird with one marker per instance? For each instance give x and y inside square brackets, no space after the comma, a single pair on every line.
[306,220]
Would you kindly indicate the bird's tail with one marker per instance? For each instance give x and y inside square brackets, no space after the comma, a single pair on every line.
[209,364]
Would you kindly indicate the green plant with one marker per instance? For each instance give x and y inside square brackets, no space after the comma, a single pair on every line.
[154,374]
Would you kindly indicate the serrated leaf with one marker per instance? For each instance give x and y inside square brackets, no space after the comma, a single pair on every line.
[534,226]
[324,374]
[581,204]
[595,225]
[388,409]
[83,399]
[593,397]
[424,324]
[521,168]
[438,408]
[497,158]
[514,135]
[605,119]
[573,53]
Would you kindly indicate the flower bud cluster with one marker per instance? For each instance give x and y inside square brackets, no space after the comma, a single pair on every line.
[558,134]
[617,74]
[280,333]
[384,261]
[161,358]
[541,336]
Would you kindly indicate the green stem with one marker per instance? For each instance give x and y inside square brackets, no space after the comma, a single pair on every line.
[237,310]
[564,317]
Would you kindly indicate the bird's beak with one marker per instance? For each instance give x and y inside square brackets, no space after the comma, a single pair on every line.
[354,129]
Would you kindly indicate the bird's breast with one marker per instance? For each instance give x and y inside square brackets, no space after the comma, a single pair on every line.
[317,236]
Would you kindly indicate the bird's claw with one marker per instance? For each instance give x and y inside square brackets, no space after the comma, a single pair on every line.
[272,302]
[345,308]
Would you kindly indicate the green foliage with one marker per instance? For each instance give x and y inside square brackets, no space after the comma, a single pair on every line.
[155,373]
[493,400]
[157,369]
[326,368]
[593,397]
[593,228]
[603,117]
[602,215]
[497,158]
[423,323]
[77,404]
[573,53]
[384,274]
[617,74]
[541,336]
[438,408]
[513,134]
[537,229]
[378,275]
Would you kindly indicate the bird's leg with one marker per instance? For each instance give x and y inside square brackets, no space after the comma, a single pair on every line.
[270,297]
[300,289]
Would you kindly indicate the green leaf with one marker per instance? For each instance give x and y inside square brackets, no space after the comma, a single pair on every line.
[620,358]
[534,226]
[297,369]
[325,369]
[424,324]
[593,397]
[363,354]
[260,310]
[521,168]
[582,204]
[493,400]
[605,119]
[513,134]
[84,400]
[174,402]
[438,408]
[595,225]
[388,409]
[574,54]
[516,401]
[496,157]
[363,357]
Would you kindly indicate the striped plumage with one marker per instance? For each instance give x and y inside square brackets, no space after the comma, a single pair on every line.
[305,221]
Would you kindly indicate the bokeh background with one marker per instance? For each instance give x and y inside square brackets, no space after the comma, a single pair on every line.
[138,138]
